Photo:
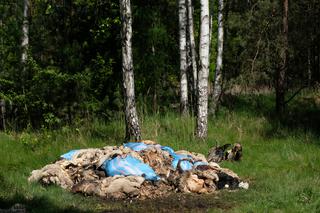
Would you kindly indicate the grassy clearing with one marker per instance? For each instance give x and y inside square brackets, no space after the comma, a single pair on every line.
[281,161]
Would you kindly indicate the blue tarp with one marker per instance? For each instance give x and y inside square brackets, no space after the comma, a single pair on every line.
[185,164]
[69,155]
[168,149]
[139,146]
[129,166]
[136,146]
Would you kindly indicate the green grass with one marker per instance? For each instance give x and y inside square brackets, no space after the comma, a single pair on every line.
[281,161]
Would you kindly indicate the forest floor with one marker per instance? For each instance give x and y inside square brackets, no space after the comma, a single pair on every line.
[280,160]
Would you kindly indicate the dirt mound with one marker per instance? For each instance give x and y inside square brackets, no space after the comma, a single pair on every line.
[87,171]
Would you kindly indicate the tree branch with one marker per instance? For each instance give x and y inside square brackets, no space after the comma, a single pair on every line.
[296,93]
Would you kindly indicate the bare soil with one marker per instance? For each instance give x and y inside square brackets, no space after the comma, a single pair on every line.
[175,202]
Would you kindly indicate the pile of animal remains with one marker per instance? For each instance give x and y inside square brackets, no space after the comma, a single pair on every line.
[140,170]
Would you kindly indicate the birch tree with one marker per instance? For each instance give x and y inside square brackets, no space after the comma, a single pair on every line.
[281,74]
[217,84]
[25,45]
[192,45]
[131,117]
[211,4]
[25,34]
[202,105]
[183,56]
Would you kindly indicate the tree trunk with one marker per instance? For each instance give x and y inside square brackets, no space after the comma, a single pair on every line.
[217,84]
[211,7]
[281,75]
[25,34]
[183,57]
[24,48]
[193,52]
[131,118]
[2,114]
[202,112]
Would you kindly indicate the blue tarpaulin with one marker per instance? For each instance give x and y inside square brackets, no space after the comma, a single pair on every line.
[129,166]
[185,163]
[69,155]
[168,149]
[136,146]
[132,166]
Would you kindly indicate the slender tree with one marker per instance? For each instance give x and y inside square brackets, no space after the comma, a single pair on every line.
[183,56]
[192,46]
[25,34]
[131,117]
[25,46]
[211,4]
[217,84]
[281,73]
[2,114]
[202,105]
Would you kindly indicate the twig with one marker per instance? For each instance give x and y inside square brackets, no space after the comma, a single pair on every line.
[294,94]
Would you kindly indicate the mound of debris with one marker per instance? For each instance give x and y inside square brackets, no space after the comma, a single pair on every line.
[140,170]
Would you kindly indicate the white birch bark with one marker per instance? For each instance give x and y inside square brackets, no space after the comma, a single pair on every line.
[131,117]
[202,109]
[183,56]
[211,5]
[25,34]
[25,45]
[217,85]
[192,47]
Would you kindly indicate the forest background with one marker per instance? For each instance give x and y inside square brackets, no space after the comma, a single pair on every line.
[74,63]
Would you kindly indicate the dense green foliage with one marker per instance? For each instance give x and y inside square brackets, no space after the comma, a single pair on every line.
[74,62]
[281,161]
[254,43]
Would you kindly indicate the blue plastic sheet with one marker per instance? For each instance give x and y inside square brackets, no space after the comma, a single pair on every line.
[185,163]
[129,166]
[139,146]
[136,146]
[168,149]
[69,155]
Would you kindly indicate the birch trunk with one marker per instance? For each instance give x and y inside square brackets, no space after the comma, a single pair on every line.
[192,46]
[211,12]
[217,84]
[131,118]
[24,47]
[211,5]
[183,57]
[25,34]
[281,74]
[202,112]
[2,114]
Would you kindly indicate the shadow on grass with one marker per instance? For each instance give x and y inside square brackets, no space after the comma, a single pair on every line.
[302,115]
[172,203]
[36,204]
